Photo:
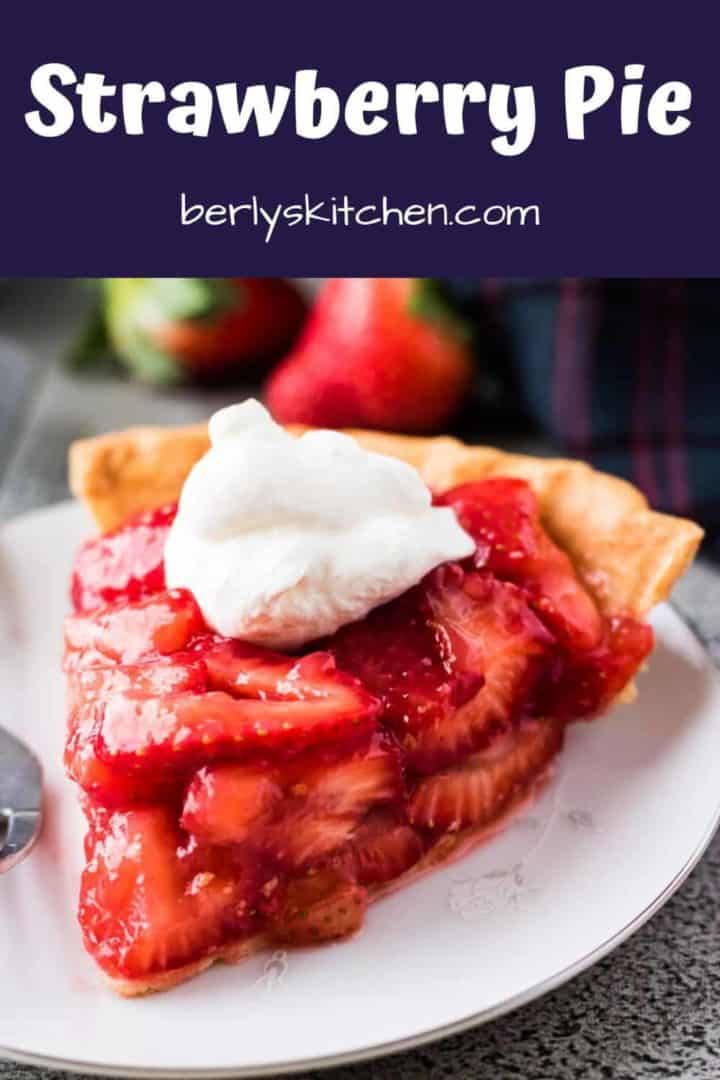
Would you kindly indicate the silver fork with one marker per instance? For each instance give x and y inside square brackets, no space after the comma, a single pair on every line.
[20,800]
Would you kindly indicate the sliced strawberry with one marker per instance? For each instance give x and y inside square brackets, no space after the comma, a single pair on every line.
[144,908]
[326,801]
[86,688]
[480,788]
[157,626]
[165,676]
[302,836]
[132,745]
[251,671]
[315,703]
[320,907]
[381,849]
[399,654]
[226,804]
[350,785]
[503,517]
[585,684]
[297,813]
[103,783]
[452,661]
[488,627]
[126,564]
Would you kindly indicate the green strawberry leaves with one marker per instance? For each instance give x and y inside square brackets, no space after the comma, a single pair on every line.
[90,349]
[173,299]
[130,309]
[431,301]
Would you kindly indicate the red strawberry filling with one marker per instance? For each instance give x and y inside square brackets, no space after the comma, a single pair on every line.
[125,564]
[232,791]
[502,516]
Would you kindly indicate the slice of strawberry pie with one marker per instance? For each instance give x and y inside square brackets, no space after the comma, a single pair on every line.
[312,680]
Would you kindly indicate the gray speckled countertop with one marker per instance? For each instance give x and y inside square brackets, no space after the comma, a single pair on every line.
[651,1009]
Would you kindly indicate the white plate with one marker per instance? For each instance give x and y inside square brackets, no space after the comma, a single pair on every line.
[633,804]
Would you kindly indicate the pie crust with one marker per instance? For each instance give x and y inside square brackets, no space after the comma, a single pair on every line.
[628,555]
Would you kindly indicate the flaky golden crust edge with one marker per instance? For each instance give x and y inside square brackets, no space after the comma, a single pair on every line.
[233,953]
[628,555]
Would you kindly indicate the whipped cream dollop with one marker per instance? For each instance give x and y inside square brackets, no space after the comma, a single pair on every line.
[282,540]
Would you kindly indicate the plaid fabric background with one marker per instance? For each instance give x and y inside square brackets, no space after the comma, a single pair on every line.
[625,374]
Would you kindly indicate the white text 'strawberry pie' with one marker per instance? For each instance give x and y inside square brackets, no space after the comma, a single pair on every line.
[333,666]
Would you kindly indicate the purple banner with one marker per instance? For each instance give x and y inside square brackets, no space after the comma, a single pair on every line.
[314,139]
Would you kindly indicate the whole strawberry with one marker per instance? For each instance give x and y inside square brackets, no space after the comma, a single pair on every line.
[384,353]
[166,329]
